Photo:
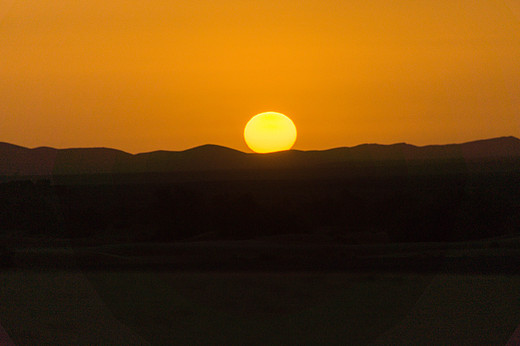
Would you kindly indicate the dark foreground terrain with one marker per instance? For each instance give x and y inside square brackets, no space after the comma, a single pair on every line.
[114,307]
[287,290]
[348,210]
[365,194]
[373,244]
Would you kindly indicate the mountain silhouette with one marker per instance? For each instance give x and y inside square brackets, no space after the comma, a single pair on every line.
[44,161]
[362,194]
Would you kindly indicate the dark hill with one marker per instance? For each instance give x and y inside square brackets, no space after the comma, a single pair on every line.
[44,161]
[202,158]
[365,194]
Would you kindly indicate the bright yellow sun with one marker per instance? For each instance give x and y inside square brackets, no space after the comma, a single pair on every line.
[270,131]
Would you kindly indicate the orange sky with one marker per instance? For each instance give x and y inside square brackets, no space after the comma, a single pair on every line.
[162,74]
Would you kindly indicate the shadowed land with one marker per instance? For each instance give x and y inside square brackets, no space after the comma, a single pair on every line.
[346,196]
[215,208]
[490,256]
[161,307]
[372,244]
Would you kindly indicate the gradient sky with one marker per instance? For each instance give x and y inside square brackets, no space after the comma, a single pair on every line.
[163,74]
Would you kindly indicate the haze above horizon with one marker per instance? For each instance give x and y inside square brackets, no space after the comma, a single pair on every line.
[172,75]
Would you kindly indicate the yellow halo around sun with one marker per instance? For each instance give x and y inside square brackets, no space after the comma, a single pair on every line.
[269,132]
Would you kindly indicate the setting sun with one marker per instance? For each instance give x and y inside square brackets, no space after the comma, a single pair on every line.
[269,132]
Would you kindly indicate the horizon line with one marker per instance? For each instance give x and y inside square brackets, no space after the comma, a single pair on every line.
[247,153]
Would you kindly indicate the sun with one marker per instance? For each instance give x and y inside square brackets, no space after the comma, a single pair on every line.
[269,132]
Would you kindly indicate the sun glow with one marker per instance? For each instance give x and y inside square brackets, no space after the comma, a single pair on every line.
[269,132]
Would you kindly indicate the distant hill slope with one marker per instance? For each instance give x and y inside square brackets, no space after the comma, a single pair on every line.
[44,161]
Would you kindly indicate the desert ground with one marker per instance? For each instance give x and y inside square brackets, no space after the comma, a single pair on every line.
[119,294]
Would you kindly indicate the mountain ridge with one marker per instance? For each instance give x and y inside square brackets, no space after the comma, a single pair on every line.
[17,160]
[203,146]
